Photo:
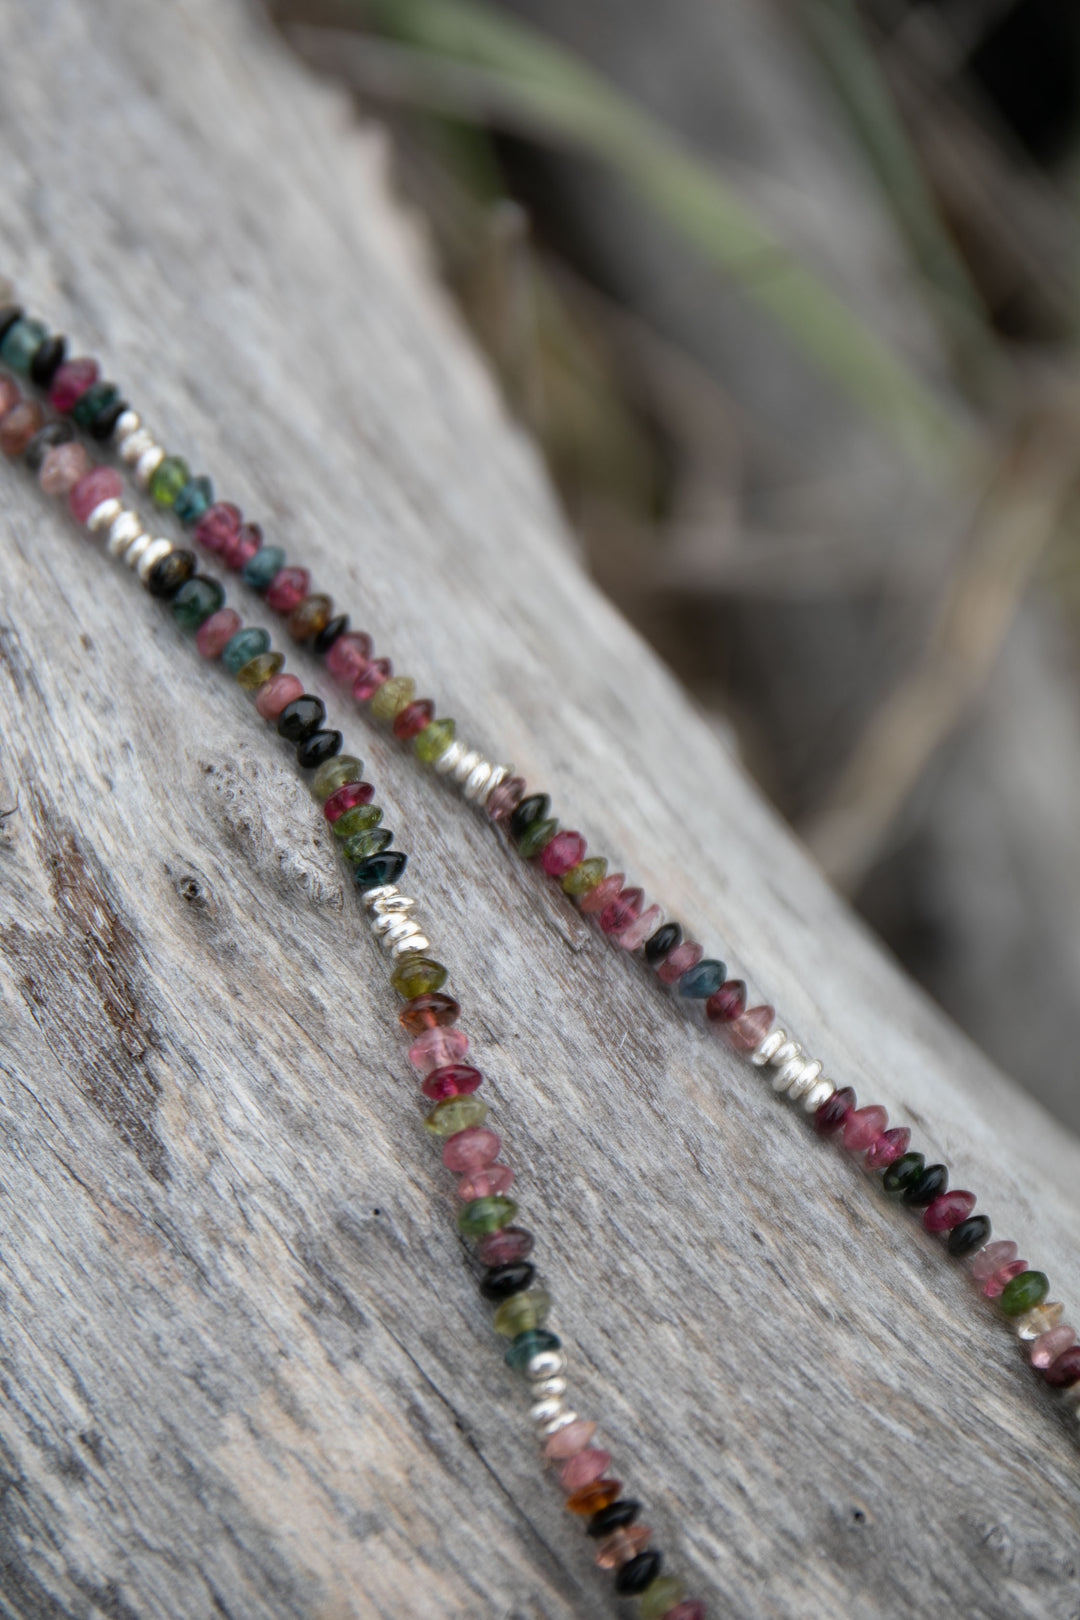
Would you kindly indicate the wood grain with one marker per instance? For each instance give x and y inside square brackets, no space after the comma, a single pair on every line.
[243,1366]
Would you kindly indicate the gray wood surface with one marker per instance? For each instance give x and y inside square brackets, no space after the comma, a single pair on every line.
[243,1367]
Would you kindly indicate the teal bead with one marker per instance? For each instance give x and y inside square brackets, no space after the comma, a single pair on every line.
[379,869]
[97,398]
[259,570]
[193,500]
[482,1215]
[195,602]
[243,647]
[21,342]
[1023,1293]
[529,1344]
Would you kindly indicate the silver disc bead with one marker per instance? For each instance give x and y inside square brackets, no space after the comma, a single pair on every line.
[104,514]
[147,465]
[820,1092]
[381,891]
[414,942]
[155,551]
[134,445]
[127,423]
[545,1364]
[562,1421]
[765,1048]
[125,528]
[810,1076]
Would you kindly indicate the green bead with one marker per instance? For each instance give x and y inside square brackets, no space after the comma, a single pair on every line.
[416,975]
[434,740]
[372,815]
[97,398]
[353,823]
[1024,1292]
[243,647]
[482,1215]
[365,844]
[193,500]
[660,1596]
[21,342]
[455,1114]
[334,773]
[537,835]
[258,670]
[168,479]
[530,1344]
[521,1312]
[584,876]
[195,601]
[902,1172]
[392,695]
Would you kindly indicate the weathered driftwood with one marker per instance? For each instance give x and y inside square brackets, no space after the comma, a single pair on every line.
[245,1370]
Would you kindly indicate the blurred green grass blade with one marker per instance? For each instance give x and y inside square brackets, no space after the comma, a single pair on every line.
[557,92]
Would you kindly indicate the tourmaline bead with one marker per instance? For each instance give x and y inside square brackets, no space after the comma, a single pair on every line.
[505,1247]
[969,1236]
[679,960]
[42,442]
[749,1029]
[562,852]
[379,869]
[71,380]
[622,1545]
[347,797]
[363,843]
[1064,1370]
[888,1147]
[834,1111]
[10,394]
[97,398]
[348,655]
[335,773]
[702,980]
[417,975]
[218,525]
[373,675]
[433,1010]
[863,1126]
[947,1210]
[497,1284]
[621,912]
[301,718]
[482,1215]
[414,718]
[451,1080]
[21,342]
[505,797]
[394,694]
[691,1609]
[1049,1345]
[104,423]
[570,1439]
[470,1149]
[902,1172]
[996,1284]
[174,570]
[103,484]
[437,1047]
[62,467]
[536,837]
[583,1468]
[583,877]
[245,544]
[1040,1319]
[926,1186]
[992,1258]
[634,936]
[659,1598]
[431,743]
[726,1003]
[664,940]
[288,587]
[195,498]
[260,569]
[168,479]
[279,691]
[529,1344]
[216,632]
[17,428]
[1027,1289]
[612,1516]
[47,360]
[317,749]
[456,1114]
[523,1311]
[639,1573]
[260,669]
[532,808]
[493,1178]
[602,894]
[243,647]
[309,616]
[331,632]
[195,601]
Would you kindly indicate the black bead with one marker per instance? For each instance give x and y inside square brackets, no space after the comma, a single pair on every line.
[969,1235]
[613,1517]
[537,804]
[902,1172]
[925,1188]
[639,1573]
[664,940]
[9,314]
[48,358]
[172,572]
[104,422]
[499,1282]
[44,439]
[327,636]
[320,746]
[301,717]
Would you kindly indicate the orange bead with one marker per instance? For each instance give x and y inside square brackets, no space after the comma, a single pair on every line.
[591,1498]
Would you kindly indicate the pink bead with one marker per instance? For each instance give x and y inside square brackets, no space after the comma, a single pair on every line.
[70,382]
[371,677]
[569,1441]
[347,655]
[275,693]
[214,632]
[1049,1345]
[505,797]
[242,546]
[639,930]
[503,1247]
[562,852]
[987,1261]
[347,797]
[493,1178]
[9,394]
[103,484]
[889,1146]
[621,912]
[471,1148]
[727,1002]
[218,524]
[602,894]
[948,1209]
[583,1468]
[452,1080]
[752,1026]
[692,1609]
[62,467]
[687,954]
[436,1047]
[288,587]
[863,1126]
[995,1285]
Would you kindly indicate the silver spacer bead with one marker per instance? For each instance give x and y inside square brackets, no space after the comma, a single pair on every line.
[386,922]
[396,928]
[810,1076]
[134,445]
[415,942]
[137,550]
[786,1077]
[765,1048]
[818,1093]
[393,905]
[499,774]
[545,1364]
[151,557]
[381,891]
[563,1421]
[784,1053]
[449,758]
[104,513]
[477,780]
[547,1388]
[465,766]
[123,531]
[127,423]
[147,465]
[547,1408]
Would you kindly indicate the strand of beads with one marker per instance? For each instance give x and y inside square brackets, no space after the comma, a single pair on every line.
[429,1014]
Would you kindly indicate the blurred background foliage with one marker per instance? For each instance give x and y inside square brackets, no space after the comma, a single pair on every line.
[787,292]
